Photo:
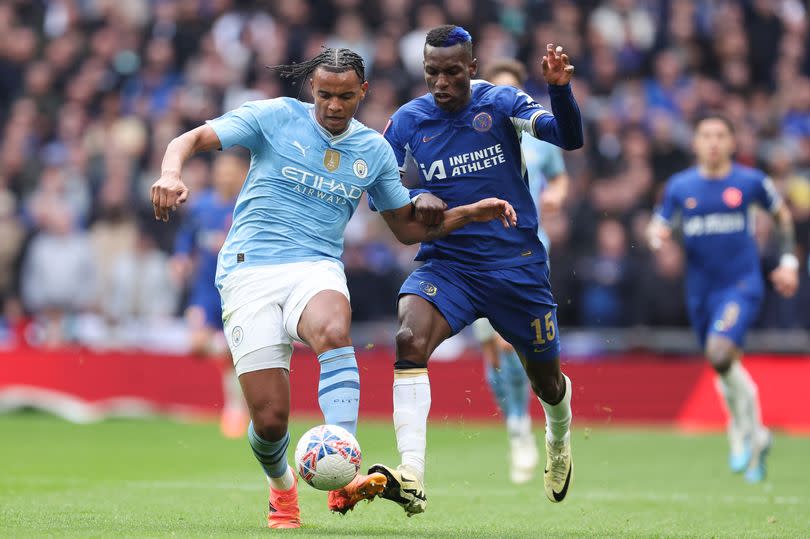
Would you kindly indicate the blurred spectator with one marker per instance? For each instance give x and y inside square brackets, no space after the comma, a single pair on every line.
[92,92]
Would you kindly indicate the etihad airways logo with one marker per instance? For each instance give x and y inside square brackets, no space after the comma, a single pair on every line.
[326,189]
[465,163]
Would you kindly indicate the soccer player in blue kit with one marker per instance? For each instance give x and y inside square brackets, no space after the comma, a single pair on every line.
[197,246]
[464,136]
[279,272]
[548,185]
[712,203]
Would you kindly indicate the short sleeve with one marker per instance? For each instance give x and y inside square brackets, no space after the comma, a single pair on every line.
[668,208]
[766,194]
[387,191]
[553,165]
[523,111]
[391,135]
[241,126]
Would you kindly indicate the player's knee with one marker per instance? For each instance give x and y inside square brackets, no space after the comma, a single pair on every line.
[720,355]
[270,423]
[411,348]
[333,334]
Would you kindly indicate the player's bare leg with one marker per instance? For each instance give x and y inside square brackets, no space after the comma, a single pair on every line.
[210,343]
[749,440]
[421,329]
[324,325]
[267,393]
[553,389]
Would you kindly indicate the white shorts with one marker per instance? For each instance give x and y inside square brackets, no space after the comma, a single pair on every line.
[261,307]
[483,330]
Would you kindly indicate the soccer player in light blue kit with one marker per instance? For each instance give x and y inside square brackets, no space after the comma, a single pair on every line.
[713,204]
[548,185]
[279,272]
[464,137]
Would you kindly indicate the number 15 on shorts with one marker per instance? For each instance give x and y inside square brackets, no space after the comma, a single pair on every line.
[544,330]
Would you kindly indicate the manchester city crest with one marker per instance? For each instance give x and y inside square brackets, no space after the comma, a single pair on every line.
[360,168]
[237,335]
[331,160]
[482,122]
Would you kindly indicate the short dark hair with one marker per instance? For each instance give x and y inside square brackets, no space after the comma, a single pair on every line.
[714,115]
[334,60]
[448,35]
[508,66]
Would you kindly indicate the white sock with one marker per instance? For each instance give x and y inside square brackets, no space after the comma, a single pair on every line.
[285,482]
[519,426]
[558,416]
[411,408]
[742,398]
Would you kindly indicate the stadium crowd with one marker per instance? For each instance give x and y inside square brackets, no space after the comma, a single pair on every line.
[92,91]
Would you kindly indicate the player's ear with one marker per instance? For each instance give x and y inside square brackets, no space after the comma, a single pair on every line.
[363,90]
[473,67]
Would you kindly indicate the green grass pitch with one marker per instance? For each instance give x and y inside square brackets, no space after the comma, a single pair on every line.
[157,478]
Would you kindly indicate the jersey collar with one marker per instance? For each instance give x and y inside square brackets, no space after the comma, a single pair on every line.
[330,138]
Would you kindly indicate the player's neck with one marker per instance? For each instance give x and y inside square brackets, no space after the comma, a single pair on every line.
[715,171]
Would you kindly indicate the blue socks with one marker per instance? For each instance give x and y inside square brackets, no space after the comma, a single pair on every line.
[339,388]
[271,455]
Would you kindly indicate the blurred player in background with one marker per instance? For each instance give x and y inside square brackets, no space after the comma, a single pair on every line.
[548,184]
[464,136]
[197,246]
[713,204]
[279,272]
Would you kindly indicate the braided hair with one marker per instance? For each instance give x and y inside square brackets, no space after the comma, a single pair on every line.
[333,60]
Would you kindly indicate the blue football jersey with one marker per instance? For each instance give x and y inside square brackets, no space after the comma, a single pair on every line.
[472,154]
[303,184]
[716,220]
[201,235]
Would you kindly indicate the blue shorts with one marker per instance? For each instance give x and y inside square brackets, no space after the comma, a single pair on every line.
[517,301]
[209,301]
[728,312]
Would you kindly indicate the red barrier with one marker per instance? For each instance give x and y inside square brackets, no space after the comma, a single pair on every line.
[645,389]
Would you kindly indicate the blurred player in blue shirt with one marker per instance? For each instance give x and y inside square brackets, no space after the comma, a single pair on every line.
[548,185]
[713,204]
[464,136]
[279,272]
[199,239]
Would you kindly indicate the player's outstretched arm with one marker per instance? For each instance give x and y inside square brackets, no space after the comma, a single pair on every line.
[564,128]
[785,277]
[409,230]
[169,190]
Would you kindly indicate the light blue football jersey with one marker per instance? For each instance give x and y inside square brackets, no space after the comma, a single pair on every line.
[303,185]
[543,161]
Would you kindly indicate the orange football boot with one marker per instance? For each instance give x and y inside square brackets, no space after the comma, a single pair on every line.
[362,487]
[284,510]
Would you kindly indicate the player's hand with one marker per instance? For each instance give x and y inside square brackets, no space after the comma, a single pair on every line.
[179,269]
[167,193]
[785,280]
[556,68]
[551,201]
[657,235]
[493,208]
[429,209]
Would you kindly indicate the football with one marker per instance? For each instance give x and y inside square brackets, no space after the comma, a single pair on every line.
[327,457]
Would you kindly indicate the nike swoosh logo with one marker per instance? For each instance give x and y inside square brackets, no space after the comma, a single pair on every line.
[428,139]
[560,496]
